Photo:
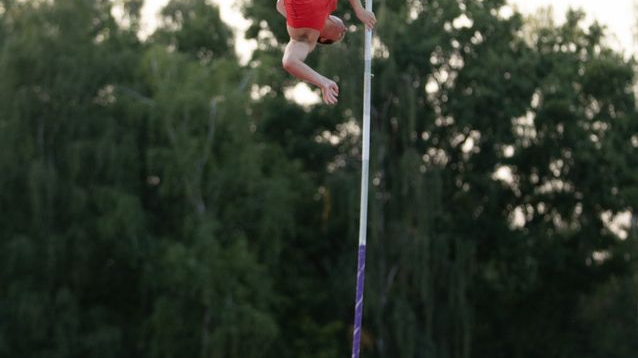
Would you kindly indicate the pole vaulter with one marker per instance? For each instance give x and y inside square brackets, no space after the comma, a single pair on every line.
[309,23]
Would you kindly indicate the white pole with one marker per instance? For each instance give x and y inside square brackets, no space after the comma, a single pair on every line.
[363,213]
[367,76]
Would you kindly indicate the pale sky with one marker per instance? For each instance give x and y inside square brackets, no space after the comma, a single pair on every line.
[229,12]
[617,15]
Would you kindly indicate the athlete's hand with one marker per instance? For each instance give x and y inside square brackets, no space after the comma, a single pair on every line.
[367,18]
[330,92]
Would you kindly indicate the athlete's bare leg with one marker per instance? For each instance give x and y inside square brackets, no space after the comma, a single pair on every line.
[302,42]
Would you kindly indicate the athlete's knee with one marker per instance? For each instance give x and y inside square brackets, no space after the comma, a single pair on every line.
[287,62]
[290,60]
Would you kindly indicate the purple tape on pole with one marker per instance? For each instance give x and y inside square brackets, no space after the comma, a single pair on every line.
[358,308]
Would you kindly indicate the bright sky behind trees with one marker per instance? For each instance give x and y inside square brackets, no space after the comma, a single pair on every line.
[617,15]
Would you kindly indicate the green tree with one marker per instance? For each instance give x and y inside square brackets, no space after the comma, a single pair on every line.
[466,261]
[143,217]
[71,216]
[158,199]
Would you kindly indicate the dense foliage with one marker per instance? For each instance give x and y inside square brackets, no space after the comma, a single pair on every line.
[160,199]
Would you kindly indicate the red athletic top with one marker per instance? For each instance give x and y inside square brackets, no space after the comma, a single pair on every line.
[308,13]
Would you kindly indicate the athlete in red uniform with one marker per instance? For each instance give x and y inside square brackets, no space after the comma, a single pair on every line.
[309,22]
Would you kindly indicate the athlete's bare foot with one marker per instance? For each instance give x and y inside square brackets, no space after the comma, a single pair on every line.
[330,92]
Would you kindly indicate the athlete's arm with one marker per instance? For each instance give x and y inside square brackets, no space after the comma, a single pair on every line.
[365,16]
[281,7]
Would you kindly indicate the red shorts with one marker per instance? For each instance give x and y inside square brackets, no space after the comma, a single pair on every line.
[308,13]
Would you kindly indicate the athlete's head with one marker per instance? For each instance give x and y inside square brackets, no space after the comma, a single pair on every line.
[333,31]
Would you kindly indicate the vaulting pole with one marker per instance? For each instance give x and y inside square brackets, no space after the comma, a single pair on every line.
[363,216]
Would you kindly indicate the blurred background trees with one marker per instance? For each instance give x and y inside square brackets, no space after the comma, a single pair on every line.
[159,199]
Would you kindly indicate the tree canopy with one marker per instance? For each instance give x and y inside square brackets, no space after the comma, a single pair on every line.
[161,199]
